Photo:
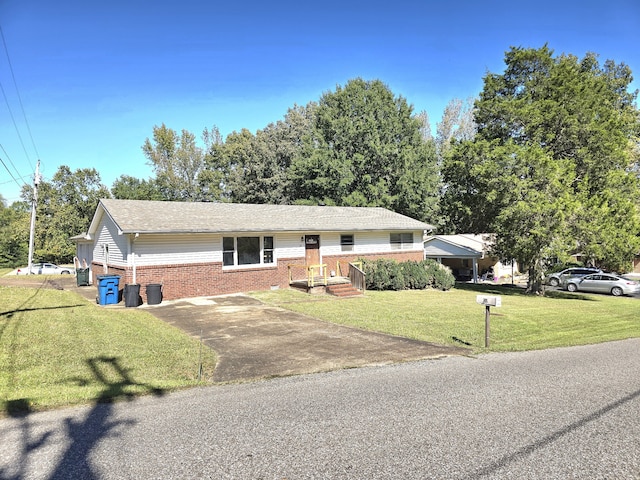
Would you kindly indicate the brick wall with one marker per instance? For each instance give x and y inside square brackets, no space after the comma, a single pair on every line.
[399,256]
[202,279]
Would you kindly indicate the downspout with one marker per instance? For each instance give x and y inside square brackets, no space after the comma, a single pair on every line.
[133,258]
[105,259]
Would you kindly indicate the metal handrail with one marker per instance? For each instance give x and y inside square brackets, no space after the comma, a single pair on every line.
[310,273]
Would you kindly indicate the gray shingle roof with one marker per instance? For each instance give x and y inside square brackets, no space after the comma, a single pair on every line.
[145,216]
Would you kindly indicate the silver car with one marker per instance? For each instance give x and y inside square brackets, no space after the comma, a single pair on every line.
[604,283]
[44,269]
[560,278]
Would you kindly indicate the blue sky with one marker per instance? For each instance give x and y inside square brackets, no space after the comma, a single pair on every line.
[95,77]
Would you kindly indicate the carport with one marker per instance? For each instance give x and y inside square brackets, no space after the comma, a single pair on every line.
[450,250]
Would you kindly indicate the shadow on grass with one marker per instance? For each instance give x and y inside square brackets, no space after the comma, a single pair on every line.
[490,288]
[514,290]
[83,434]
[11,313]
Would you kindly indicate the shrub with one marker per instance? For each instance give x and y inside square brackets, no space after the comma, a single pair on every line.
[377,275]
[443,279]
[385,274]
[415,275]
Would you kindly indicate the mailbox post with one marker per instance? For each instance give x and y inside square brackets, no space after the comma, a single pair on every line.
[488,302]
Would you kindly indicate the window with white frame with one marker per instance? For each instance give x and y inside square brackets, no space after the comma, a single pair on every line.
[401,241]
[247,251]
[346,243]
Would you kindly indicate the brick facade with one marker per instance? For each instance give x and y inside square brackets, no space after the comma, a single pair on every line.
[208,279]
[399,256]
[202,279]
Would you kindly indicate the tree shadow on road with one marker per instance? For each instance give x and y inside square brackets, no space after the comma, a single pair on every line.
[494,467]
[82,435]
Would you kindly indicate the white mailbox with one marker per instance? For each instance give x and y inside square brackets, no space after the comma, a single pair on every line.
[489,301]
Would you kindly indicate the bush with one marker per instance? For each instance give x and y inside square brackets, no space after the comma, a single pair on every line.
[443,279]
[383,274]
[415,275]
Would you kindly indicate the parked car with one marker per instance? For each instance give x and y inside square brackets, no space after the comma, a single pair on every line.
[604,283]
[559,278]
[44,269]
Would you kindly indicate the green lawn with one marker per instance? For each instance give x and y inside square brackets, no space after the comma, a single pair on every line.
[524,322]
[57,349]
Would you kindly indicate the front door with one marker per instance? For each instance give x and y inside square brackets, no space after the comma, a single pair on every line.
[312,249]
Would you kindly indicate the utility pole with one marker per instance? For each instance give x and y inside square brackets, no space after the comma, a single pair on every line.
[34,203]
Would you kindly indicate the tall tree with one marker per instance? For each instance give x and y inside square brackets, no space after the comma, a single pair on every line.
[256,165]
[549,168]
[179,165]
[66,206]
[457,124]
[14,234]
[367,149]
[127,187]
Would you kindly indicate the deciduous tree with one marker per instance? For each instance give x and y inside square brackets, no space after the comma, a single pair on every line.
[367,149]
[66,206]
[179,165]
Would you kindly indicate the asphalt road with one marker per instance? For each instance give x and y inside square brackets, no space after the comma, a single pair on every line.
[563,413]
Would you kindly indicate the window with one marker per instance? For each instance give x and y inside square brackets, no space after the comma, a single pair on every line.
[247,251]
[400,241]
[228,251]
[346,243]
[267,255]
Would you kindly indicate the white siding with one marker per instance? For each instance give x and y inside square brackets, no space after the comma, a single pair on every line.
[289,245]
[177,249]
[371,242]
[365,243]
[107,239]
[198,248]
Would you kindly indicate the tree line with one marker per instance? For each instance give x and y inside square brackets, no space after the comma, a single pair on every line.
[546,157]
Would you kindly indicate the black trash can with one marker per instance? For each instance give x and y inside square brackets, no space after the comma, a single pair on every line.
[132,295]
[154,294]
[82,277]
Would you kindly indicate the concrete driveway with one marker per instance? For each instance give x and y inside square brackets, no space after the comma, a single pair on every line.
[254,340]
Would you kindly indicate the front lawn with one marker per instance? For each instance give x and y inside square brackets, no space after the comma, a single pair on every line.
[523,322]
[57,349]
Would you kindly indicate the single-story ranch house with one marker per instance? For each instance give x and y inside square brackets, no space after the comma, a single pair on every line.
[198,249]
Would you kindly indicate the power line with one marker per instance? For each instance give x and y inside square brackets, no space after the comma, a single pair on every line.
[14,167]
[15,84]
[11,174]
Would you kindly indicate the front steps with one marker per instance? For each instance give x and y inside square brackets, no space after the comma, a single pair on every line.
[343,290]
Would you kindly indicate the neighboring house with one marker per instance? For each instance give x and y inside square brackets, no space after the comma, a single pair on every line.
[196,249]
[468,256]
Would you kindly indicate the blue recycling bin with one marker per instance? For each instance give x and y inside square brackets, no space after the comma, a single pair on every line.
[108,289]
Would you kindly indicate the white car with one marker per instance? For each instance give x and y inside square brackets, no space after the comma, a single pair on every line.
[45,269]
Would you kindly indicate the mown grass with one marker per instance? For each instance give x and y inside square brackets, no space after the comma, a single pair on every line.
[57,349]
[523,322]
